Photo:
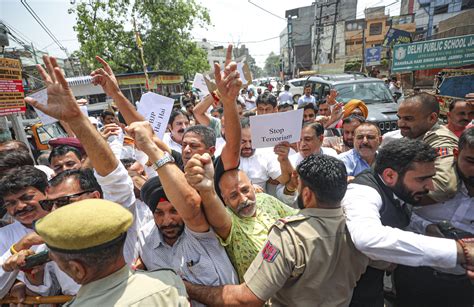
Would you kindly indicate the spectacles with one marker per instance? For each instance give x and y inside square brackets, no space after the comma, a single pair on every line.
[369,137]
[48,204]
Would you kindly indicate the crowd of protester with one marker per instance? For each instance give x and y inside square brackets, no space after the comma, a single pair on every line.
[201,217]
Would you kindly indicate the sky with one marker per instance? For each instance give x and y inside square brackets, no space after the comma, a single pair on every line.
[233,21]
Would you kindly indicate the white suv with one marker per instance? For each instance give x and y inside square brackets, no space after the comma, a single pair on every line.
[297,88]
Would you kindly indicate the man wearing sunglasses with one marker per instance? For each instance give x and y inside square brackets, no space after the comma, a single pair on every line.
[71,186]
[110,174]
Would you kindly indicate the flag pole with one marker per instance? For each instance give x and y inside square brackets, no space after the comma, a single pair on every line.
[140,47]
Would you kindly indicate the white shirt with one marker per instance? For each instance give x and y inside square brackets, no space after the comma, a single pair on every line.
[220,143]
[390,136]
[361,205]
[47,170]
[296,158]
[9,235]
[458,211]
[261,166]
[171,143]
[285,97]
[118,188]
[250,103]
[305,99]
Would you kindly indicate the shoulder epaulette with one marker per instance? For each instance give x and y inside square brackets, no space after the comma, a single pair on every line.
[281,222]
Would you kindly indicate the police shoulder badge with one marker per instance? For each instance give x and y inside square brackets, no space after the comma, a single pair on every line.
[270,252]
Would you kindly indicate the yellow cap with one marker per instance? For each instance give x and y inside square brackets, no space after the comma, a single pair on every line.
[84,226]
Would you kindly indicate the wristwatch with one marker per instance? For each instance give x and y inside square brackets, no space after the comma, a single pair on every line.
[167,158]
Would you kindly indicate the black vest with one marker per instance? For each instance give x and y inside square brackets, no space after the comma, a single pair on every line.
[391,213]
[369,289]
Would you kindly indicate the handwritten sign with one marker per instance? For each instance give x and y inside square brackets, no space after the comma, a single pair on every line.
[157,110]
[270,129]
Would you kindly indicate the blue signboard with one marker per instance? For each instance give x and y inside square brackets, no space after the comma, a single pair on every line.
[395,36]
[373,56]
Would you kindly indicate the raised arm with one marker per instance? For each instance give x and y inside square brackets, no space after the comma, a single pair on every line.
[182,196]
[105,77]
[228,85]
[200,110]
[62,105]
[282,150]
[199,173]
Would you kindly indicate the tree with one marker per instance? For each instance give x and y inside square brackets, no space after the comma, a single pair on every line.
[272,65]
[105,28]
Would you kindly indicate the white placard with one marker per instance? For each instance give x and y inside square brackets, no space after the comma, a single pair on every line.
[84,110]
[200,84]
[157,110]
[42,98]
[270,129]
[240,69]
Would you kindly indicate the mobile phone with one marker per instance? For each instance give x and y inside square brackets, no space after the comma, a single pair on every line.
[36,259]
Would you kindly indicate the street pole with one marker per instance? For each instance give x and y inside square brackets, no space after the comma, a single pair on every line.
[333,53]
[319,29]
[362,67]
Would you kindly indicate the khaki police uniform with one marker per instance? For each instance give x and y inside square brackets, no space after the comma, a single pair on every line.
[445,181]
[90,226]
[308,260]
[126,288]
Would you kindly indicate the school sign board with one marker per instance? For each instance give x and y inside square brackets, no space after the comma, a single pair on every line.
[439,53]
[11,87]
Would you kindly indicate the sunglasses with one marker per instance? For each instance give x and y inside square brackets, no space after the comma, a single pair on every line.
[48,204]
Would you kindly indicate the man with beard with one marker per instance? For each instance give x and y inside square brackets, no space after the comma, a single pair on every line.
[308,259]
[452,218]
[243,226]
[377,205]
[460,115]
[179,237]
[367,141]
[346,142]
[418,119]
[261,164]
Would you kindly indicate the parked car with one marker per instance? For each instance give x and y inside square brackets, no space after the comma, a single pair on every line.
[297,88]
[374,93]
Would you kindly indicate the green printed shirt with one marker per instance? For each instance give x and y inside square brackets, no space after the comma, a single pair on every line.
[248,235]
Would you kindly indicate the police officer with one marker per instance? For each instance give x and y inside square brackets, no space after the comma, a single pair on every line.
[308,259]
[86,241]
[418,119]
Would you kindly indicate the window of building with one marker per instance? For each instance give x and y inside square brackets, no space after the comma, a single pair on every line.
[375,28]
[441,9]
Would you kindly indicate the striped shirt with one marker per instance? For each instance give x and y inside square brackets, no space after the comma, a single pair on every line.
[197,257]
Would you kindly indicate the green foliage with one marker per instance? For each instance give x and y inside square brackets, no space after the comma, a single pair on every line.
[353,65]
[105,28]
[272,65]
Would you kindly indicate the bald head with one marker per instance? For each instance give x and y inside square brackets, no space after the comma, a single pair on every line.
[426,103]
